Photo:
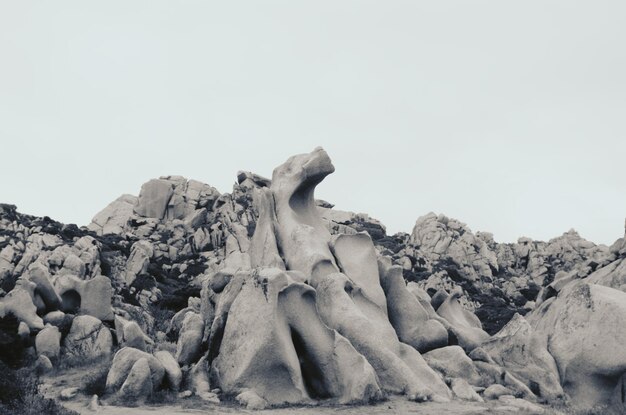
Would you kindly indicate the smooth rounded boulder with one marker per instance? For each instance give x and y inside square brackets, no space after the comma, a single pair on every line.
[519,350]
[138,383]
[123,362]
[48,342]
[583,327]
[133,336]
[275,344]
[452,362]
[19,303]
[88,338]
[190,339]
[173,374]
[407,316]
[464,325]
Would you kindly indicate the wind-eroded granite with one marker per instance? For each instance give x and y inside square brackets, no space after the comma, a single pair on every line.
[275,297]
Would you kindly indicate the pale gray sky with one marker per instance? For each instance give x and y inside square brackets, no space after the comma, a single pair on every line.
[508,115]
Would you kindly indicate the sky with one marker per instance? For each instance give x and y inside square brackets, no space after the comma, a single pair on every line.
[507,115]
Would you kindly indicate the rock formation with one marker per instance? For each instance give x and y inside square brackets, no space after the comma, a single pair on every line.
[272,297]
[273,327]
[575,327]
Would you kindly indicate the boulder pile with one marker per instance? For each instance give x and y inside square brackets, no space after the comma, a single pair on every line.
[272,297]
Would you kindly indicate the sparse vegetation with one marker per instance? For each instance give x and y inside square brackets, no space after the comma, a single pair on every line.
[95,382]
[564,408]
[68,362]
[162,317]
[163,397]
[19,394]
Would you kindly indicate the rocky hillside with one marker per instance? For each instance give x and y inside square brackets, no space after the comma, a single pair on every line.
[498,279]
[160,272]
[156,248]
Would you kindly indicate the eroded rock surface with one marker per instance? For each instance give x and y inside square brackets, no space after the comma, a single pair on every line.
[273,327]
[269,296]
[575,326]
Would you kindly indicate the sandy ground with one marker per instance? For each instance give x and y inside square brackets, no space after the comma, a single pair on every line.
[396,405]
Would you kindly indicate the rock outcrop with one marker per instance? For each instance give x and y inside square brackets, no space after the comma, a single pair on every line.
[343,272]
[407,315]
[524,353]
[575,327]
[273,327]
[272,297]
[445,239]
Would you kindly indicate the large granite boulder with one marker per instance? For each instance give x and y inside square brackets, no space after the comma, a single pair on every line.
[130,334]
[408,317]
[114,218]
[19,303]
[173,374]
[189,344]
[343,270]
[524,353]
[452,362]
[154,198]
[174,197]
[464,325]
[275,344]
[137,264]
[122,365]
[612,275]
[583,329]
[86,297]
[40,275]
[87,339]
[48,342]
[138,384]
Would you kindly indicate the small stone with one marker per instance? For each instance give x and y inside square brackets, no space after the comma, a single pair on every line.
[251,400]
[185,394]
[209,397]
[93,403]
[68,393]
[464,390]
[522,404]
[55,318]
[505,409]
[495,391]
[161,337]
